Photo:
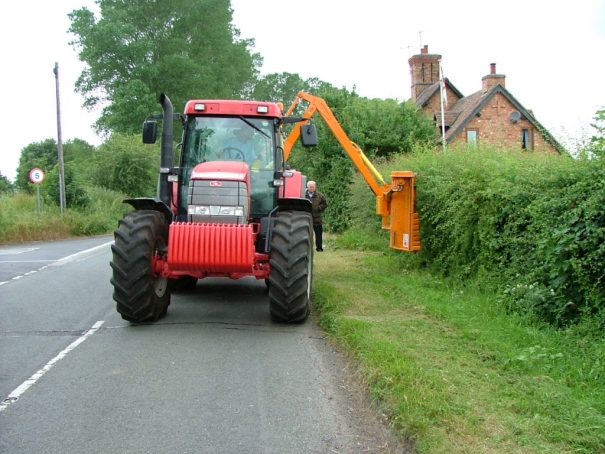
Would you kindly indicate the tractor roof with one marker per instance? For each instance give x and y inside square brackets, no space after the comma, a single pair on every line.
[232,107]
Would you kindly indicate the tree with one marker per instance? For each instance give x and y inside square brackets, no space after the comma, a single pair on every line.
[386,127]
[138,49]
[126,165]
[78,151]
[6,187]
[78,155]
[75,194]
[38,154]
[283,87]
[597,142]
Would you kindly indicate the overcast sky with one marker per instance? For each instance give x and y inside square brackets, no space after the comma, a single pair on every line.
[551,51]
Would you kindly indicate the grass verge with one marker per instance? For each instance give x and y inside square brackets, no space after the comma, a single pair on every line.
[20,220]
[453,371]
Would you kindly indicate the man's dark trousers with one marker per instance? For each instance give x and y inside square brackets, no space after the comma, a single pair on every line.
[318,229]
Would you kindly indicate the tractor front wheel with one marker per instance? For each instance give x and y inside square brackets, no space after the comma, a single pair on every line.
[142,235]
[291,260]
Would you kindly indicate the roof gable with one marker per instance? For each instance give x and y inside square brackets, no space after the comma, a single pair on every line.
[465,110]
[428,94]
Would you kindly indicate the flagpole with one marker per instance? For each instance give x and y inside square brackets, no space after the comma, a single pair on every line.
[441,82]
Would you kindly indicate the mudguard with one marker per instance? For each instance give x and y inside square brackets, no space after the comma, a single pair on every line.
[145,203]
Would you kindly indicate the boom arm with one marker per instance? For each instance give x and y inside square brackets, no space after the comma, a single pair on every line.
[395,203]
[360,160]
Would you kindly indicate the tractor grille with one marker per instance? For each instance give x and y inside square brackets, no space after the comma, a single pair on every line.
[211,201]
[212,248]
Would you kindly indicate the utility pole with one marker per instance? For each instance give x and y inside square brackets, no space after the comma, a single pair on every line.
[60,142]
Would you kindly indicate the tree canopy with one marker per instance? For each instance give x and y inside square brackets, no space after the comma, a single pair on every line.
[37,154]
[283,87]
[597,142]
[138,49]
[6,187]
[128,166]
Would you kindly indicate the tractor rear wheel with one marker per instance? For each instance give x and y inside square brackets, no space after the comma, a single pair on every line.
[291,260]
[141,236]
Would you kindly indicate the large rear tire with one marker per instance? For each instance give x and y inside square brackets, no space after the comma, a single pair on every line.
[291,275]
[140,297]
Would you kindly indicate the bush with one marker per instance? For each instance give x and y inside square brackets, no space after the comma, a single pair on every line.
[525,221]
[124,164]
[530,226]
[6,187]
[75,194]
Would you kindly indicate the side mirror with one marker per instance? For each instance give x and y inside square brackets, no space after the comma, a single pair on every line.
[308,135]
[150,131]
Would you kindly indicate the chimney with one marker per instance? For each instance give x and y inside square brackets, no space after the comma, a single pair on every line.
[424,69]
[492,78]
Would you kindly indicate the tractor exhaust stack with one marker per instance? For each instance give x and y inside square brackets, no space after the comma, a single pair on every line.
[167,158]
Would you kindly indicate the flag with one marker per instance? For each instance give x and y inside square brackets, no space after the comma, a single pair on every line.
[443,84]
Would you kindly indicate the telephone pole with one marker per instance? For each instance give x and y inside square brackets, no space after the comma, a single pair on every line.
[60,142]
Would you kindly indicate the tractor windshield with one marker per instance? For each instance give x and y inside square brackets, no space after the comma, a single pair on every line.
[246,139]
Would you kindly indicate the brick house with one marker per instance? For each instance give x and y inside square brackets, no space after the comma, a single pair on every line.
[491,115]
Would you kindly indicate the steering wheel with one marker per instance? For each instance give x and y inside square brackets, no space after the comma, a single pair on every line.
[238,153]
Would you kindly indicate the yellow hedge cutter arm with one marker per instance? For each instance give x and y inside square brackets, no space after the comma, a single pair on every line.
[395,203]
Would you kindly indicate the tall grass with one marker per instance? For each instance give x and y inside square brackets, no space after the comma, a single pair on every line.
[20,220]
[451,369]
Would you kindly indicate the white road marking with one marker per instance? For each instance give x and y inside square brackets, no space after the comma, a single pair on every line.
[25,261]
[16,394]
[78,255]
[18,251]
[60,262]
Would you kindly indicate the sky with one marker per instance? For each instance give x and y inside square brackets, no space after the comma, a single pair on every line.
[551,52]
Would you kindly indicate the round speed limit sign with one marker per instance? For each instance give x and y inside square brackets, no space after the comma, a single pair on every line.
[36,175]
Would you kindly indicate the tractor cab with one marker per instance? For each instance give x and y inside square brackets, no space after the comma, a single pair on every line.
[237,152]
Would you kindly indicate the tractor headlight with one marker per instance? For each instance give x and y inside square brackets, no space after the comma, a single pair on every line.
[231,211]
[215,210]
[198,209]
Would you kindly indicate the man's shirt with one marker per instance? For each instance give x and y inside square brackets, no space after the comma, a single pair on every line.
[247,148]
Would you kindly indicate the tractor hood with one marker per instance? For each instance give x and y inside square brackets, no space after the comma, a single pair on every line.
[222,171]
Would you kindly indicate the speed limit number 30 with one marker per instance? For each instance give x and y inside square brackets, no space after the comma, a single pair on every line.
[36,175]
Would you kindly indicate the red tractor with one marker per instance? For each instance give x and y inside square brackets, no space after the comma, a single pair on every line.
[230,207]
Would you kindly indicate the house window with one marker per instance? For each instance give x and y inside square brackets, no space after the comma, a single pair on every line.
[526,139]
[471,136]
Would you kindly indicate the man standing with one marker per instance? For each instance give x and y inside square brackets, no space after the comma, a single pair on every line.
[318,202]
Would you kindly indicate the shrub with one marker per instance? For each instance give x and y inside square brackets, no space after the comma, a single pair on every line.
[531,226]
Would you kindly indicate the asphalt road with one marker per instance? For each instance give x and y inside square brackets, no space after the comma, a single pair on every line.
[214,376]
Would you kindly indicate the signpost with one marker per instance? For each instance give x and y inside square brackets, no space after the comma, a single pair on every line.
[36,176]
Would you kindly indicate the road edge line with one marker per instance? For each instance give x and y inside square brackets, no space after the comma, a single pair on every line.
[16,394]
